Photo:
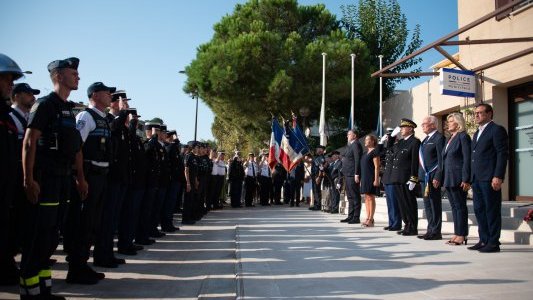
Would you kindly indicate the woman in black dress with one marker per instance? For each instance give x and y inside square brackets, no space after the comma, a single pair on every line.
[370,178]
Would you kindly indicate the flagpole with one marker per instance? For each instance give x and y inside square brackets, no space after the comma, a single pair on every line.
[380,129]
[322,125]
[352,113]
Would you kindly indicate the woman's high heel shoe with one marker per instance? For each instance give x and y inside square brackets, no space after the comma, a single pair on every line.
[368,223]
[454,243]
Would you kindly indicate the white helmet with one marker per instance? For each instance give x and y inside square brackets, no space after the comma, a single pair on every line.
[7,65]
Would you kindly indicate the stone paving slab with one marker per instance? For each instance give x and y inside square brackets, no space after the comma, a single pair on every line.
[280,252]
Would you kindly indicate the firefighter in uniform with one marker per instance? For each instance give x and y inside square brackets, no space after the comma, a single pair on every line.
[83,217]
[9,72]
[404,176]
[50,146]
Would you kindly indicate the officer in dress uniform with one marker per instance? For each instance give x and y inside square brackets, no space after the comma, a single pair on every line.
[393,209]
[191,177]
[129,218]
[177,177]
[204,170]
[50,146]
[159,146]
[118,181]
[83,216]
[317,172]
[235,178]
[335,174]
[9,72]
[142,235]
[22,97]
[404,176]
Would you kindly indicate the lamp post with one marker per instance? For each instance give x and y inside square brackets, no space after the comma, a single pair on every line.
[194,96]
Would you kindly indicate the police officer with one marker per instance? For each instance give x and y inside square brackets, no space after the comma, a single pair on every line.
[50,146]
[84,216]
[404,176]
[142,235]
[129,217]
[191,177]
[278,177]
[317,174]
[205,165]
[118,181]
[393,209]
[23,97]
[177,177]
[335,174]
[235,179]
[159,146]
[9,72]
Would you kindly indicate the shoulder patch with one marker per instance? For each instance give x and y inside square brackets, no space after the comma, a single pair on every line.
[80,124]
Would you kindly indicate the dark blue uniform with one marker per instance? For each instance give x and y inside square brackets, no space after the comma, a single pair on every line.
[55,153]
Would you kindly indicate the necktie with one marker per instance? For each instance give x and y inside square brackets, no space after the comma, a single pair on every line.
[253,170]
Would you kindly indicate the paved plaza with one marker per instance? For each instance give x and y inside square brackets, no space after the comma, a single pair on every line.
[279,252]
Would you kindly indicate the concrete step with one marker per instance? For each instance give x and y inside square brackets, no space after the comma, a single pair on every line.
[514,228]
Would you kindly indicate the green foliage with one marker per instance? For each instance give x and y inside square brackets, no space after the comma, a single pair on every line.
[382,26]
[266,58]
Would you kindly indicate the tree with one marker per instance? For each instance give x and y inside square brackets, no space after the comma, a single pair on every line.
[265,59]
[382,26]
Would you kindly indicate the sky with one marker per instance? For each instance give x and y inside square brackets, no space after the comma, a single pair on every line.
[140,46]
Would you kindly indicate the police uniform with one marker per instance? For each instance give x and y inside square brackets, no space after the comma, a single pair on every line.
[175,165]
[235,178]
[55,152]
[10,165]
[404,172]
[191,171]
[84,217]
[204,170]
[334,171]
[131,209]
[162,184]
[317,170]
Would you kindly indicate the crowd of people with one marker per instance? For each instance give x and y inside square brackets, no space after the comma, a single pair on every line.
[85,178]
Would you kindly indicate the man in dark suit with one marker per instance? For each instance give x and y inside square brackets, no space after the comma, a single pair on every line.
[430,175]
[351,169]
[404,176]
[490,151]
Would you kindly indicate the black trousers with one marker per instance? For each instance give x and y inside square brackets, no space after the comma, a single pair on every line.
[354,198]
[265,185]
[189,204]
[218,185]
[433,208]
[317,194]
[235,192]
[250,185]
[408,207]
[296,189]
[129,219]
[488,210]
[142,233]
[276,191]
[83,218]
[42,235]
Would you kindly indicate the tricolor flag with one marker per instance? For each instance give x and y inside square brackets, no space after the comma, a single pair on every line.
[275,142]
[292,149]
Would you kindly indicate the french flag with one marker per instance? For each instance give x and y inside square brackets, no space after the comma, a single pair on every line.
[274,152]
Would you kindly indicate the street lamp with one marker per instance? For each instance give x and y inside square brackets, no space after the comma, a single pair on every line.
[194,96]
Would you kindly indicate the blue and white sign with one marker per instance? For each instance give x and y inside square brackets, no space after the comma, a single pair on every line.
[457,83]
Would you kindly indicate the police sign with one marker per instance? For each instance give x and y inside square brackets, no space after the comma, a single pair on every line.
[458,83]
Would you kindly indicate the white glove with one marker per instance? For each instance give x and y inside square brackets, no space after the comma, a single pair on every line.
[411,185]
[383,139]
[395,131]
[338,186]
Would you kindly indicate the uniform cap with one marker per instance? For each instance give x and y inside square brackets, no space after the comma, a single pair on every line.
[321,147]
[150,125]
[163,127]
[171,132]
[24,88]
[407,123]
[192,144]
[119,94]
[71,63]
[98,87]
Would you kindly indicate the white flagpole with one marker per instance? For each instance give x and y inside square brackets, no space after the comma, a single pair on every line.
[352,109]
[322,125]
[380,129]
